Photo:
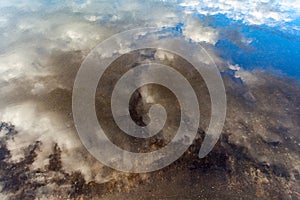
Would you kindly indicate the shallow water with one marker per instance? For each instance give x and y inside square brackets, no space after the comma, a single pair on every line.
[255,45]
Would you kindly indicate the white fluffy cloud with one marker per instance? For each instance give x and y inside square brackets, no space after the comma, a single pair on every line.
[255,12]
[196,31]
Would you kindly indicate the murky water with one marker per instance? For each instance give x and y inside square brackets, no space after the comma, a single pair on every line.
[255,45]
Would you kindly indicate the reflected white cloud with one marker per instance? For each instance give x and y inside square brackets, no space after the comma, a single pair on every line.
[198,32]
[255,12]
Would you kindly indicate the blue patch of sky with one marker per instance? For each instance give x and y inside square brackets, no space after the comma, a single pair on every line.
[271,47]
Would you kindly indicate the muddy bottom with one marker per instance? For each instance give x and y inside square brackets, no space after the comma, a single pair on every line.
[256,157]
